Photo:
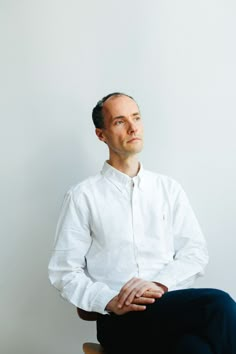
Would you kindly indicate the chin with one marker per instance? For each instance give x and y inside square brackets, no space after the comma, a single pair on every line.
[137,150]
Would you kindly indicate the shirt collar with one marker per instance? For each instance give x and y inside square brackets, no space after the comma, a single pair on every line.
[119,178]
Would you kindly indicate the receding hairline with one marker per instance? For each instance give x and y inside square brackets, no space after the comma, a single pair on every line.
[104,108]
[113,97]
[116,96]
[98,110]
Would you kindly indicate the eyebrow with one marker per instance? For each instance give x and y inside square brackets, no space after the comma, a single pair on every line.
[122,117]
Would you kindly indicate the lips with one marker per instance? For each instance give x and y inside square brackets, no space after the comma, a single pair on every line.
[133,139]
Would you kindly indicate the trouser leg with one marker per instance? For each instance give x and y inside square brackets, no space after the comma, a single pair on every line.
[207,313]
[192,344]
[221,316]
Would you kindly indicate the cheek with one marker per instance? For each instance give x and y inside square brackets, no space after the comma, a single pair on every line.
[141,127]
[116,139]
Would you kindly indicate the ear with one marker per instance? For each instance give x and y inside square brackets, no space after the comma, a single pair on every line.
[100,135]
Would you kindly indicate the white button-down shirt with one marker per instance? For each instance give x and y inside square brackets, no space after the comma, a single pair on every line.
[113,227]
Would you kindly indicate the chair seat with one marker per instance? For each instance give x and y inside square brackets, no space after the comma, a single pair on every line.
[92,348]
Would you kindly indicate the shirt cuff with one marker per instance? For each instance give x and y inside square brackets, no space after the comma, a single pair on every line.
[102,299]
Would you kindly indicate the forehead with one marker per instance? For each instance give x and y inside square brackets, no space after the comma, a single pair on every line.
[119,106]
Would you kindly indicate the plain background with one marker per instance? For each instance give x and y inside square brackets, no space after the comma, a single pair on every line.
[58,58]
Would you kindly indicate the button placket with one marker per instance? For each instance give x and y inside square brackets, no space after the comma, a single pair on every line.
[136,218]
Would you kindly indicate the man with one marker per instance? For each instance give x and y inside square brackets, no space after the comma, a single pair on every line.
[129,247]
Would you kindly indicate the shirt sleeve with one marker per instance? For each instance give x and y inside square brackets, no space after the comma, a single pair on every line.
[67,265]
[190,248]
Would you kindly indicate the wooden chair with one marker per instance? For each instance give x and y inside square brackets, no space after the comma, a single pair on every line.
[90,347]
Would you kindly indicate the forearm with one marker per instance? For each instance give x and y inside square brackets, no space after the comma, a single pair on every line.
[77,288]
[181,271]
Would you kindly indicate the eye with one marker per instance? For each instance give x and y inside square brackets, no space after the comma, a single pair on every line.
[137,119]
[119,122]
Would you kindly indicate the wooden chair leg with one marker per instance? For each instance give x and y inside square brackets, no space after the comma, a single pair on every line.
[92,348]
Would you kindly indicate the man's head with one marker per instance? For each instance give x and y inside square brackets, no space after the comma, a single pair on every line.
[119,124]
[97,114]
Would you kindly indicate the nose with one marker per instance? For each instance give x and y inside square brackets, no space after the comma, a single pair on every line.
[132,128]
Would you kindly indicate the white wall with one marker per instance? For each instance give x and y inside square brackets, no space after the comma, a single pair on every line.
[177,58]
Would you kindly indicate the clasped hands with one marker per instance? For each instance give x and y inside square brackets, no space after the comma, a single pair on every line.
[135,295]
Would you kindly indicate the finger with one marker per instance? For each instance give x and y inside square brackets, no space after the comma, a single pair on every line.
[132,307]
[136,287]
[143,300]
[129,291]
[129,283]
[153,293]
[128,287]
[143,289]
[127,298]
[136,293]
[140,288]
[136,307]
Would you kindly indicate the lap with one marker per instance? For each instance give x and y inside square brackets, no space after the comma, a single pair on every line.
[176,314]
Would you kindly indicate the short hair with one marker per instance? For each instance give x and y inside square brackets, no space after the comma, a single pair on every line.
[97,114]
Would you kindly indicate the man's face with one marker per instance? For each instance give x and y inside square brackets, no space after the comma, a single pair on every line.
[123,127]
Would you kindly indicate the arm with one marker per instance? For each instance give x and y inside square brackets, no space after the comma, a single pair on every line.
[191,255]
[67,266]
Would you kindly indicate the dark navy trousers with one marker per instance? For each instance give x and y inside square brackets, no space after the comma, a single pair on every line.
[190,321]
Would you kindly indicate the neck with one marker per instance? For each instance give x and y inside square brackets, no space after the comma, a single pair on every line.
[129,166]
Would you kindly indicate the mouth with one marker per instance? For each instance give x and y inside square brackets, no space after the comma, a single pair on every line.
[133,140]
